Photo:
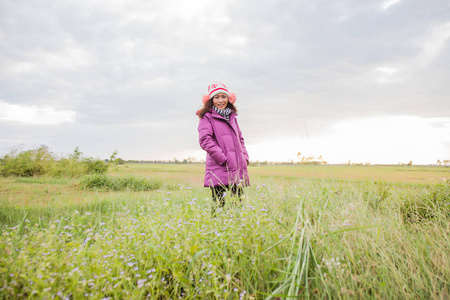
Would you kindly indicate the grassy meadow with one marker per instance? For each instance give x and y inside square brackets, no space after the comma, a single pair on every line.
[321,232]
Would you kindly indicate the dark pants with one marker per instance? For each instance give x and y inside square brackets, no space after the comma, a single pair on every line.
[219,192]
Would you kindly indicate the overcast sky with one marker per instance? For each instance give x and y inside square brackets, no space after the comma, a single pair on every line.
[366,81]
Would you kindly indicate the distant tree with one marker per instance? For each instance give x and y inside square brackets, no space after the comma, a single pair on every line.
[76,154]
[310,160]
[113,160]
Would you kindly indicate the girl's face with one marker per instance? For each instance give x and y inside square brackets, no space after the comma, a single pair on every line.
[220,100]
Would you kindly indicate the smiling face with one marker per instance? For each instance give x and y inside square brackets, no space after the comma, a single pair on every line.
[220,100]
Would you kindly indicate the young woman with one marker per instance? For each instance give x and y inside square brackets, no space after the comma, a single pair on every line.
[221,138]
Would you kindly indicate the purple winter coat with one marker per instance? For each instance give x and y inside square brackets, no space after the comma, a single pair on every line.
[226,156]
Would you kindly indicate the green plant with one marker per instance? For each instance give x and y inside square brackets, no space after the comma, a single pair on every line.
[377,193]
[28,163]
[428,204]
[104,182]
[41,162]
[95,166]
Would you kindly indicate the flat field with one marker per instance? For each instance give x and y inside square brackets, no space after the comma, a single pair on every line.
[282,173]
[300,231]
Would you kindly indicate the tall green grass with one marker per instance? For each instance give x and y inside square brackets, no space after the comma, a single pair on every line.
[311,238]
[107,183]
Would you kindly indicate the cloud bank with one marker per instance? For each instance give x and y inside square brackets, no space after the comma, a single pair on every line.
[129,75]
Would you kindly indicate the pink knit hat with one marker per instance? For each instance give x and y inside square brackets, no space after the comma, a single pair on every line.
[216,88]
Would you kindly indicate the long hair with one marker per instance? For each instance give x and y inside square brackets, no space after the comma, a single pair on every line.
[208,106]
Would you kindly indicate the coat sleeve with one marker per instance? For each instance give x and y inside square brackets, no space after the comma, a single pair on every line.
[241,139]
[208,143]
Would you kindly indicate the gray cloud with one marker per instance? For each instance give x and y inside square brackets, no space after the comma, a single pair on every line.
[134,73]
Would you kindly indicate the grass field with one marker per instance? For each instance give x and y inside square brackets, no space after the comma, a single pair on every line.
[350,232]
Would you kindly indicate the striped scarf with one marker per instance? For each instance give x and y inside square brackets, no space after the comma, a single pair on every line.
[223,112]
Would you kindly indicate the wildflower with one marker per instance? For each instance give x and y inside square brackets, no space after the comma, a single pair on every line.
[228,277]
[141,282]
[346,223]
